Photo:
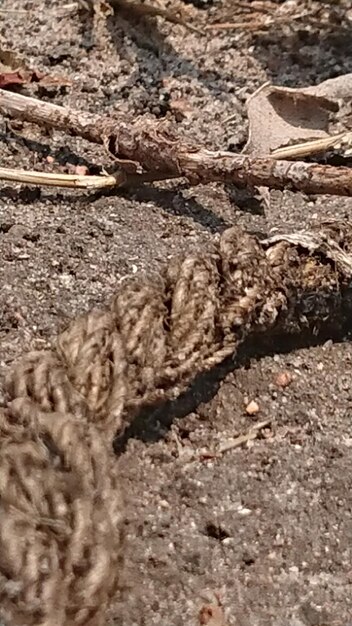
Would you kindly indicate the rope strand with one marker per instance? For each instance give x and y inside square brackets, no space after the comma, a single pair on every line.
[61,510]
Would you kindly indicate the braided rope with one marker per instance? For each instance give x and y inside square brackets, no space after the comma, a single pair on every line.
[61,510]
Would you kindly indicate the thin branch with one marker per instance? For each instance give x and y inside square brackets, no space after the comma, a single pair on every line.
[145,10]
[141,146]
[151,11]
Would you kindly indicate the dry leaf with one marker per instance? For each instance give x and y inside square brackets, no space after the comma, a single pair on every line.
[281,116]
[8,79]
[14,71]
[339,88]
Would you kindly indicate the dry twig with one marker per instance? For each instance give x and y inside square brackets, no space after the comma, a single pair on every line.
[142,146]
[146,10]
[151,11]
[250,435]
[254,25]
[261,16]
[61,180]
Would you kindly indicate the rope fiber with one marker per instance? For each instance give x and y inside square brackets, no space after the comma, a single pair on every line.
[61,508]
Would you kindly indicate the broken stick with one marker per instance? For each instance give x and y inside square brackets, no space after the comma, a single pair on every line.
[140,9]
[148,10]
[73,181]
[141,145]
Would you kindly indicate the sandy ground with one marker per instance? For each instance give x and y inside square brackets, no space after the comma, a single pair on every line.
[268,526]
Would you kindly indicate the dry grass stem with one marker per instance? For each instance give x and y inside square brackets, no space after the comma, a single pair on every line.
[61,180]
[239,441]
[310,148]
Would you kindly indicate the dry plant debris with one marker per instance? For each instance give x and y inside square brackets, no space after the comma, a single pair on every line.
[294,123]
[258,16]
[150,150]
[138,9]
[14,71]
[74,181]
[244,439]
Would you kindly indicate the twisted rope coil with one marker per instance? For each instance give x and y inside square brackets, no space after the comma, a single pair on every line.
[61,511]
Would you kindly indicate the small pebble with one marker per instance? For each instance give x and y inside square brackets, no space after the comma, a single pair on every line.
[283,379]
[252,408]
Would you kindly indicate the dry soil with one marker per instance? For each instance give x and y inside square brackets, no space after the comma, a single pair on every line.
[268,526]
